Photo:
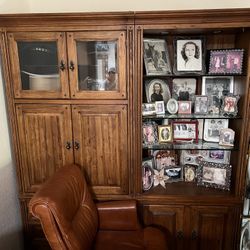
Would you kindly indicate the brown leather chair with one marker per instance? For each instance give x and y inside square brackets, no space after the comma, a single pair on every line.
[71,220]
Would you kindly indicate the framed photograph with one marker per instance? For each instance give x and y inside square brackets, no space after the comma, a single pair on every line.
[165,133]
[217,85]
[185,131]
[184,107]
[212,129]
[226,137]
[165,159]
[156,57]
[149,133]
[147,174]
[184,89]
[219,156]
[160,107]
[157,90]
[229,105]
[189,55]
[148,109]
[173,174]
[226,61]
[189,173]
[216,175]
[200,104]
[192,157]
[214,104]
[172,106]
[200,128]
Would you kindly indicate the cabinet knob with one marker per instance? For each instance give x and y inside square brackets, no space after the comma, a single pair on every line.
[62,65]
[194,235]
[180,235]
[71,66]
[77,145]
[68,145]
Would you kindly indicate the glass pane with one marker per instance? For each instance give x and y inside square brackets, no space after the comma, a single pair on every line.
[97,65]
[39,66]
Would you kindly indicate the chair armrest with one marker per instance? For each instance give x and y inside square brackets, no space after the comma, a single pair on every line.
[118,215]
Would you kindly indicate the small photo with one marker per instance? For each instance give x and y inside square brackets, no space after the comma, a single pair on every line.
[172,106]
[226,137]
[192,157]
[165,133]
[156,57]
[217,85]
[173,174]
[212,129]
[214,104]
[189,55]
[234,61]
[149,133]
[184,89]
[184,107]
[165,159]
[157,90]
[147,174]
[148,109]
[229,105]
[185,131]
[219,156]
[189,173]
[201,104]
[159,107]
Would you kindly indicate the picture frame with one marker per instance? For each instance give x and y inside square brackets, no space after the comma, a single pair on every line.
[226,61]
[159,107]
[201,104]
[212,129]
[218,156]
[189,55]
[165,159]
[147,174]
[172,106]
[157,90]
[189,173]
[185,131]
[214,105]
[227,137]
[184,107]
[173,174]
[217,85]
[156,57]
[165,133]
[229,105]
[184,89]
[148,109]
[216,175]
[192,157]
[149,133]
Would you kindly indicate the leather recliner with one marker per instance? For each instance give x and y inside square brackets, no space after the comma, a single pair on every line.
[71,220]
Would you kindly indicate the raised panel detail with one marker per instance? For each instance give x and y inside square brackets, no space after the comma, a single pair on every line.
[43,131]
[101,131]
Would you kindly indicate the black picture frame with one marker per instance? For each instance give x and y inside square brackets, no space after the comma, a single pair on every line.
[147,174]
[189,55]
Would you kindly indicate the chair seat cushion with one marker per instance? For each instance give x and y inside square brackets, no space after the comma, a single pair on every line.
[148,239]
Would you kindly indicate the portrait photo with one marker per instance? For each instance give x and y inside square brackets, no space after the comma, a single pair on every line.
[149,133]
[184,89]
[156,57]
[189,173]
[165,159]
[201,104]
[212,129]
[189,55]
[165,133]
[147,174]
[229,105]
[159,107]
[172,106]
[157,90]
[184,107]
[214,104]
[226,137]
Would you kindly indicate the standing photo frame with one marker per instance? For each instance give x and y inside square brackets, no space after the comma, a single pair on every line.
[185,131]
[227,137]
[149,133]
[165,133]
[189,55]
[226,61]
[147,174]
[156,57]
[172,106]
[160,107]
[201,104]
[229,105]
[184,107]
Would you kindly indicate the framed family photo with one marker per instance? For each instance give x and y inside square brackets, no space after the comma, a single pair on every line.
[156,57]
[227,137]
[157,90]
[185,131]
[189,55]
[229,105]
[148,109]
[216,175]
[226,61]
[160,107]
[201,104]
[165,133]
[184,89]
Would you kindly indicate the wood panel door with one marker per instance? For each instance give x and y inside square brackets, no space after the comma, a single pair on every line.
[101,146]
[169,217]
[212,228]
[45,138]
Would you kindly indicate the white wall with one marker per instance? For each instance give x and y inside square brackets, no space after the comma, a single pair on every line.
[9,207]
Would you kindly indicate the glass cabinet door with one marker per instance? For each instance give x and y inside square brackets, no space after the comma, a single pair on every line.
[38,64]
[97,64]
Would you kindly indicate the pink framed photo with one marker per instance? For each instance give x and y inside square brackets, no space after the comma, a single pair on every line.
[185,131]
[184,107]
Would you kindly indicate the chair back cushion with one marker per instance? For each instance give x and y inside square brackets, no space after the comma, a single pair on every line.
[66,210]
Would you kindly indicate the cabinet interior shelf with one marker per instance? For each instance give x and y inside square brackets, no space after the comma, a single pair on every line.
[201,145]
